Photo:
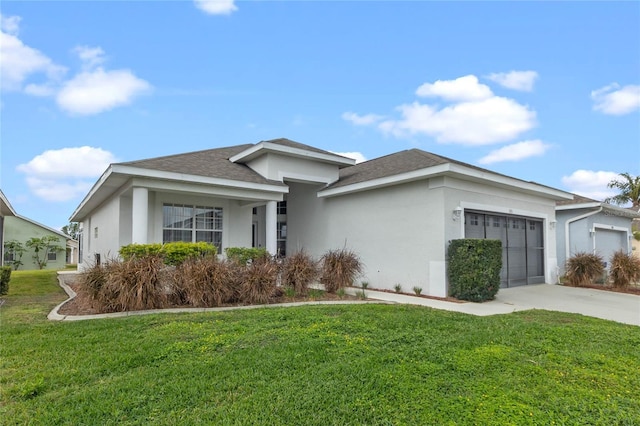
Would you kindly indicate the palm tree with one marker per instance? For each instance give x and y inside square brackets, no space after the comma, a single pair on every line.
[629,191]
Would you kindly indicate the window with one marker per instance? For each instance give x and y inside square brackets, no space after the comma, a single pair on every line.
[52,256]
[192,224]
[95,232]
[474,219]
[281,238]
[9,256]
[254,211]
[282,207]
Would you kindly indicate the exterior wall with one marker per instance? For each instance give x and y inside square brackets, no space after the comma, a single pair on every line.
[101,233]
[1,240]
[604,241]
[279,167]
[21,230]
[395,231]
[402,232]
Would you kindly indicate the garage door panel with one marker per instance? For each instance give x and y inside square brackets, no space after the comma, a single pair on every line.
[522,245]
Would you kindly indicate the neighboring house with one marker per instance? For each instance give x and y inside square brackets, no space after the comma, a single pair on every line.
[587,225]
[72,254]
[5,210]
[20,228]
[397,212]
[635,244]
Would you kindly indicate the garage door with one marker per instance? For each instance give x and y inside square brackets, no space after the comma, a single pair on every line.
[609,241]
[522,245]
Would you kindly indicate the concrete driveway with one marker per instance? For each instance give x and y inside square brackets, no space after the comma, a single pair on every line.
[620,307]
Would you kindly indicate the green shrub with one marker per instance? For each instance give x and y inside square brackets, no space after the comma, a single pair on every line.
[583,269]
[340,268]
[243,255]
[173,253]
[5,277]
[177,252]
[474,269]
[625,269]
[298,271]
[139,250]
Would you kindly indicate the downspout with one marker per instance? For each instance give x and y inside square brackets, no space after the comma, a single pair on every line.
[566,230]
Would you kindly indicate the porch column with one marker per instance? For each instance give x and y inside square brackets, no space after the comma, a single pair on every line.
[271,219]
[139,215]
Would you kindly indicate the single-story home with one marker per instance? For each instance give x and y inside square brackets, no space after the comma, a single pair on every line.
[398,212]
[587,225]
[19,228]
[5,210]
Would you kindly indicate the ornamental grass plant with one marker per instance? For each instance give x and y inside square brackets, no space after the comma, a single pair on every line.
[298,271]
[340,268]
[624,270]
[583,269]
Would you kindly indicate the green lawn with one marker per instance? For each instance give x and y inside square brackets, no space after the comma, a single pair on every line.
[316,365]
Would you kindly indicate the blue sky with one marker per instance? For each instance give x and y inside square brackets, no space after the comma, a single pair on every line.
[542,91]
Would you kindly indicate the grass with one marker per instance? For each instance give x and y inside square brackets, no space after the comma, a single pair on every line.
[313,365]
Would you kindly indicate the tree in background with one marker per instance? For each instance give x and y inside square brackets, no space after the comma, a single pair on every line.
[42,247]
[72,230]
[629,187]
[13,250]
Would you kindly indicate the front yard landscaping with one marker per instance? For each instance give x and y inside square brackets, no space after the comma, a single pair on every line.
[312,365]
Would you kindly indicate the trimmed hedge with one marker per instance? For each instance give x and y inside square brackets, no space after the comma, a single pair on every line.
[243,255]
[474,269]
[173,253]
[5,277]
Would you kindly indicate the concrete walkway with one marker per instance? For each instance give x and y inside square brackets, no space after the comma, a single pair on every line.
[619,307]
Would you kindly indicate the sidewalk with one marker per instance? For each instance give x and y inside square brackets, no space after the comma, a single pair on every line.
[619,307]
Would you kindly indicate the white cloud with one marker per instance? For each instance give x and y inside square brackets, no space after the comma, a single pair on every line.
[516,152]
[18,61]
[10,25]
[589,183]
[91,57]
[484,122]
[361,120]
[63,174]
[474,115]
[465,88]
[358,156]
[216,7]
[616,100]
[93,92]
[516,80]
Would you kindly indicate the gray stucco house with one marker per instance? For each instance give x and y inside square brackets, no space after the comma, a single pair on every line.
[5,211]
[398,212]
[587,225]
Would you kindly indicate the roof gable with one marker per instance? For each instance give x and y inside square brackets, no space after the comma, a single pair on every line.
[212,163]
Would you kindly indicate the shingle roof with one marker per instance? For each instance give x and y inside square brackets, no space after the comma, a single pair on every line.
[389,165]
[209,163]
[577,199]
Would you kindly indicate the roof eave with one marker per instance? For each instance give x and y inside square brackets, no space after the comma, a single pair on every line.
[262,148]
[127,171]
[458,170]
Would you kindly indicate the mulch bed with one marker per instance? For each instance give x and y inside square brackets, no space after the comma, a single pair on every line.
[634,289]
[82,304]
